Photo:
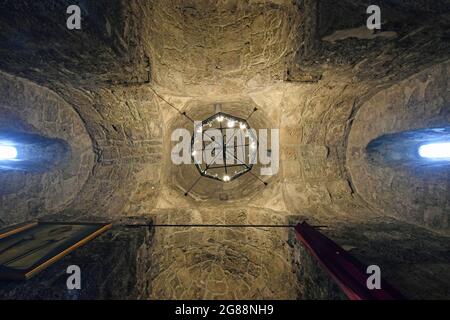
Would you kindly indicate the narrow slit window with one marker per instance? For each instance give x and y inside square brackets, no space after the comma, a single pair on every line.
[8,152]
[438,151]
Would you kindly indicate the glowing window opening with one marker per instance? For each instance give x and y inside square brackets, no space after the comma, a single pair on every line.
[8,153]
[438,151]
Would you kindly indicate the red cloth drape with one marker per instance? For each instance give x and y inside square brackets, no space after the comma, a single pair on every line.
[349,273]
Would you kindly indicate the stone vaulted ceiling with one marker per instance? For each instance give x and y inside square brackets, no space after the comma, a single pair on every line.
[328,85]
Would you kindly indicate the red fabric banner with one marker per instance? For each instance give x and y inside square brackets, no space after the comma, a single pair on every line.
[349,273]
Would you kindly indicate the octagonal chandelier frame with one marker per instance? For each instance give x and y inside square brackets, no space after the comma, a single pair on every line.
[248,145]
[217,116]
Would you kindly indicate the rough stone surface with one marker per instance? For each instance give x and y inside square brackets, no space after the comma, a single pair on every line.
[106,50]
[220,263]
[412,259]
[27,107]
[126,130]
[421,194]
[311,73]
[314,282]
[220,43]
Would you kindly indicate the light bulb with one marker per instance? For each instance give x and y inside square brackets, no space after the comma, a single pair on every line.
[220,118]
[243,126]
[230,123]
[226,178]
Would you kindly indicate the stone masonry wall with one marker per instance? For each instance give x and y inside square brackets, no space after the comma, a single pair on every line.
[310,84]
[126,129]
[420,194]
[225,43]
[220,263]
[26,107]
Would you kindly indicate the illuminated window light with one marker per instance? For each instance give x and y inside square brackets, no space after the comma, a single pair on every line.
[8,153]
[435,151]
